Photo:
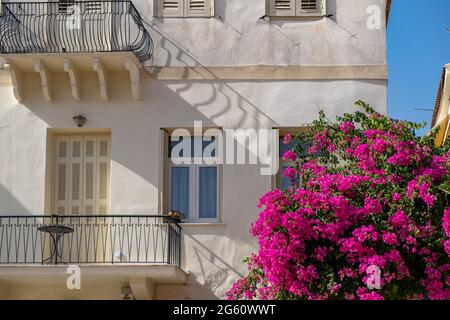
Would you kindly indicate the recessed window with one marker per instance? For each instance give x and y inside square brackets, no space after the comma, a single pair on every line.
[296,8]
[184,8]
[193,185]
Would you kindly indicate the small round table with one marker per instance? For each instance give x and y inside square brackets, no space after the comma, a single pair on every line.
[56,232]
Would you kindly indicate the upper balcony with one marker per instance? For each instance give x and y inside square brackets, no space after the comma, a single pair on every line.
[73,27]
[71,37]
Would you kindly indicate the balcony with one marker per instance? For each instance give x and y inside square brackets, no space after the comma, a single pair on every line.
[72,37]
[112,247]
[73,27]
[89,240]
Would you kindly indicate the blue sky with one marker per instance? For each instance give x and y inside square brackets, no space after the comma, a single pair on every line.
[418,48]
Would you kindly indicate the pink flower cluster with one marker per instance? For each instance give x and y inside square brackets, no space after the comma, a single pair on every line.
[379,209]
[446,226]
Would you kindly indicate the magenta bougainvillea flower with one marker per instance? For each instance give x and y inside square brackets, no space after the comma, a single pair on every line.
[287,139]
[370,219]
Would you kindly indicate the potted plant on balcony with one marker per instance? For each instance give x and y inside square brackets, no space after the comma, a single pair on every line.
[176,215]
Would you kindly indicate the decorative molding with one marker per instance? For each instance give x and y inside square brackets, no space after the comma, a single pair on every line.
[16,80]
[46,77]
[135,78]
[74,78]
[267,72]
[97,65]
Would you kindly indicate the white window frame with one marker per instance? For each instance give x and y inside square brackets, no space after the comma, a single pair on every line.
[194,164]
[297,12]
[183,11]
[194,197]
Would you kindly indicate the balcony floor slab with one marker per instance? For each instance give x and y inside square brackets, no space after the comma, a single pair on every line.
[113,61]
[58,274]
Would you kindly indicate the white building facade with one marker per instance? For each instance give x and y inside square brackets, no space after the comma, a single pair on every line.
[135,72]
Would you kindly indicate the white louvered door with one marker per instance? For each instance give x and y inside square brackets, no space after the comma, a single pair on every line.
[81,185]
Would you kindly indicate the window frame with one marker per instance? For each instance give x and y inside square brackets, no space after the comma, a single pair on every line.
[158,10]
[194,184]
[298,13]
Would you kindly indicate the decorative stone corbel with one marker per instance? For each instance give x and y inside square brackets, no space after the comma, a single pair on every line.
[97,65]
[16,80]
[46,78]
[143,288]
[135,78]
[74,78]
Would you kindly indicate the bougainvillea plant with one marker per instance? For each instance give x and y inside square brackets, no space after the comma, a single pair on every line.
[369,218]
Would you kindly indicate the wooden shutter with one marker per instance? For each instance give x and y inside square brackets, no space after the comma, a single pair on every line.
[103,169]
[63,5]
[96,7]
[282,8]
[170,8]
[90,175]
[75,180]
[198,8]
[61,190]
[310,7]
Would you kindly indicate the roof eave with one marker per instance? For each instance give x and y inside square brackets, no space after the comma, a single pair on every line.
[388,10]
[440,93]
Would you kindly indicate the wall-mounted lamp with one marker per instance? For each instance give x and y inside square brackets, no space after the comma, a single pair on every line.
[79,120]
[127,294]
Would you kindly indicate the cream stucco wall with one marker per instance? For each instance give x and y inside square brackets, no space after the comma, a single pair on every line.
[212,254]
[59,291]
[4,291]
[236,36]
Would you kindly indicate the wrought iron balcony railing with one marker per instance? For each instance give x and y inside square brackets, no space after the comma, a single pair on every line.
[110,239]
[73,27]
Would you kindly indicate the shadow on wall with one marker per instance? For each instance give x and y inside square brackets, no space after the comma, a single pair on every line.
[9,205]
[204,253]
[250,114]
[214,277]
[194,289]
[117,114]
[217,262]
